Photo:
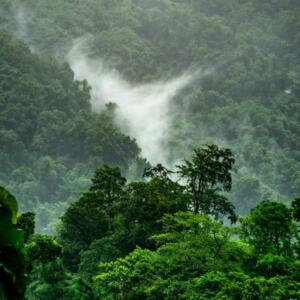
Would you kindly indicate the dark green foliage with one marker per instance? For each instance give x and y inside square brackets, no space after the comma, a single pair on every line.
[51,281]
[84,221]
[296,208]
[109,183]
[26,222]
[50,139]
[9,207]
[12,263]
[91,217]
[42,249]
[38,258]
[271,265]
[159,171]
[124,215]
[106,249]
[146,204]
[207,174]
[210,168]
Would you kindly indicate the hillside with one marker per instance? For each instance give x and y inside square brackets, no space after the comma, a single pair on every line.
[250,102]
[50,139]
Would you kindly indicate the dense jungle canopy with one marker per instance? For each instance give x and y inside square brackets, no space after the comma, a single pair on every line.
[87,213]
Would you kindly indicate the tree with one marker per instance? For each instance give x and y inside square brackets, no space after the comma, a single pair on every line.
[237,285]
[26,222]
[135,209]
[270,265]
[118,279]
[148,201]
[269,228]
[51,281]
[42,249]
[84,221]
[109,182]
[12,262]
[159,171]
[189,246]
[207,174]
[90,217]
[296,209]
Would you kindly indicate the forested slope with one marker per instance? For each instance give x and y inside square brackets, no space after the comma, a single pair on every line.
[251,101]
[50,140]
[121,228]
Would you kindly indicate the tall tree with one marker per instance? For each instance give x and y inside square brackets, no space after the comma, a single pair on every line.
[206,175]
[296,208]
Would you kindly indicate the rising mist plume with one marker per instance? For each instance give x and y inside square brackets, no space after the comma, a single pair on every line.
[143,110]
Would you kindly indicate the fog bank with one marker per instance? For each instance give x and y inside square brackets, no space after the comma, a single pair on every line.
[143,110]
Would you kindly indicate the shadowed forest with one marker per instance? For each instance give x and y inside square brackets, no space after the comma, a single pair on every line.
[149,149]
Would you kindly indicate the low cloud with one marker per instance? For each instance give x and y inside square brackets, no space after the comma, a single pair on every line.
[143,110]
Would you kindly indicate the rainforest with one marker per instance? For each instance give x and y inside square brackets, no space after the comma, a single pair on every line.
[149,149]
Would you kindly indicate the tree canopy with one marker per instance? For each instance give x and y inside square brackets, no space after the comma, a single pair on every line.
[94,219]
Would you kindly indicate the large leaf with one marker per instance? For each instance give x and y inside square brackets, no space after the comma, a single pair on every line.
[9,202]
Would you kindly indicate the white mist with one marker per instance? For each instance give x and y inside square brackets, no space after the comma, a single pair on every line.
[143,110]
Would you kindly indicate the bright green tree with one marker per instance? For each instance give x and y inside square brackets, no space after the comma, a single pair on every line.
[269,228]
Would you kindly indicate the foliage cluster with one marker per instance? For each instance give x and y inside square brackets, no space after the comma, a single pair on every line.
[50,139]
[158,239]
